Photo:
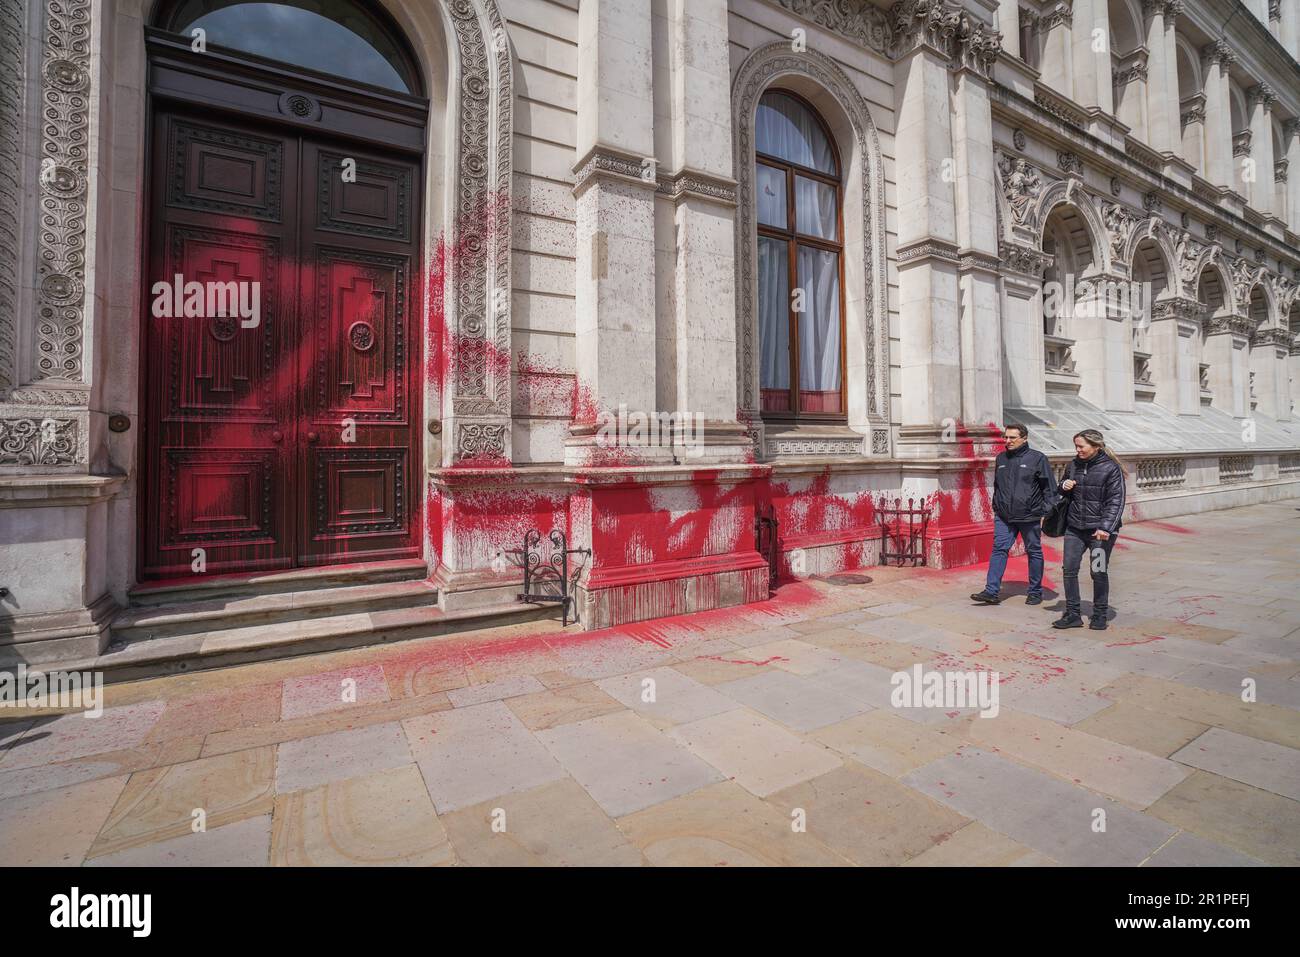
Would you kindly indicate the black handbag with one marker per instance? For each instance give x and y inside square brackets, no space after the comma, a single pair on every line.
[1055,519]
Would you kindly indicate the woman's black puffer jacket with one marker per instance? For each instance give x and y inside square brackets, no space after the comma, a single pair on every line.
[1097,500]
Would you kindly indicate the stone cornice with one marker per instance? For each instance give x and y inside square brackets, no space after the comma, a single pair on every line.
[603,162]
[928,249]
[1274,336]
[698,185]
[1027,260]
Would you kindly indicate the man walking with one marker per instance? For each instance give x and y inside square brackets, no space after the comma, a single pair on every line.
[1023,490]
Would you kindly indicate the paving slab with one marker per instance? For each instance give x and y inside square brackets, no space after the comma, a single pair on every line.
[562,705]
[244,843]
[975,845]
[1260,764]
[509,686]
[557,824]
[1257,823]
[70,736]
[1188,850]
[468,755]
[1040,811]
[1151,731]
[380,819]
[759,755]
[311,762]
[56,828]
[333,690]
[676,699]
[795,701]
[887,742]
[723,825]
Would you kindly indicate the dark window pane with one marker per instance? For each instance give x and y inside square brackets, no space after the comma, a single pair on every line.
[338,37]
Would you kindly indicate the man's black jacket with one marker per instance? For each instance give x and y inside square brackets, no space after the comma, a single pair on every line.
[1023,485]
[1097,500]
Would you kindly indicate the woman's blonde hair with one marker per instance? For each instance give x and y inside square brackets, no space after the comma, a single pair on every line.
[1098,441]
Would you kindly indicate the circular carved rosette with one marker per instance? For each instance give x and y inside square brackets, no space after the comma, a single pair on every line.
[362,336]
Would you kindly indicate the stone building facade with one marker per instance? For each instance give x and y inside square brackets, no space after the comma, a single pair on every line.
[823,249]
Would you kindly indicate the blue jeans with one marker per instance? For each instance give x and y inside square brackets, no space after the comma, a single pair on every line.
[1004,536]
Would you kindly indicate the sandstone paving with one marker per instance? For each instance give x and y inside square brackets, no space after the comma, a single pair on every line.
[1151,731]
[310,762]
[384,818]
[562,705]
[468,755]
[795,701]
[665,696]
[1252,821]
[1261,764]
[771,740]
[556,824]
[723,825]
[869,817]
[1039,810]
[162,803]
[1127,774]
[245,843]
[758,754]
[625,763]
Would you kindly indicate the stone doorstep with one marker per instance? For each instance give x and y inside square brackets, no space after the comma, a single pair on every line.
[150,622]
[266,583]
[201,651]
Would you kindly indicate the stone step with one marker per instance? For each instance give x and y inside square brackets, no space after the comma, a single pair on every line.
[184,590]
[150,622]
[233,646]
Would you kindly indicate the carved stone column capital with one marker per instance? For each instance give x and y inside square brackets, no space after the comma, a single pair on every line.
[948,29]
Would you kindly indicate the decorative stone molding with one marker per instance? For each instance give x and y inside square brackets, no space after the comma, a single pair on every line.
[1069,163]
[1218,51]
[1123,76]
[476,440]
[1060,108]
[61,234]
[969,260]
[1241,143]
[1062,14]
[699,185]
[859,22]
[1018,139]
[760,69]
[1151,202]
[13,85]
[1115,186]
[1193,109]
[1024,259]
[1275,9]
[879,441]
[1291,128]
[478,282]
[1261,93]
[1244,278]
[947,28]
[1272,336]
[1236,325]
[605,163]
[777,446]
[1021,185]
[39,441]
[1279,170]
[1173,10]
[928,249]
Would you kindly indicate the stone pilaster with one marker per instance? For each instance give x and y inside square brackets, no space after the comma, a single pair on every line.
[1161,135]
[1291,146]
[697,195]
[1175,340]
[1260,99]
[1023,361]
[1103,349]
[616,178]
[1216,58]
[1268,361]
[1227,340]
[1091,67]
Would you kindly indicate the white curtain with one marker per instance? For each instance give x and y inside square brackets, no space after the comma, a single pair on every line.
[819,323]
[773,314]
[784,128]
[771,196]
[814,209]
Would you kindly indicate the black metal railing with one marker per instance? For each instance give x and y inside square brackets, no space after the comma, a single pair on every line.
[547,579]
[902,530]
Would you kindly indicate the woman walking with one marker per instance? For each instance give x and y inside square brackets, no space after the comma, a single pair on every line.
[1094,482]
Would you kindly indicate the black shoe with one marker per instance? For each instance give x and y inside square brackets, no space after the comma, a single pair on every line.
[1034,600]
[1068,620]
[1097,622]
[984,598]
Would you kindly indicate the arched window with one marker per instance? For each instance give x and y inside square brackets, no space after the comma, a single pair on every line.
[800,262]
[340,38]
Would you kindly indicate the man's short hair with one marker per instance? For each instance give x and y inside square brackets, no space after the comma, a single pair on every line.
[1024,432]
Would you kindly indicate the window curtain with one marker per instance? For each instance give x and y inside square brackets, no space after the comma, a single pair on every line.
[814,209]
[784,128]
[774,324]
[819,331]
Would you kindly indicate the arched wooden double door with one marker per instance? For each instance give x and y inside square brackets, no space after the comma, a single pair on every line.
[281,348]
